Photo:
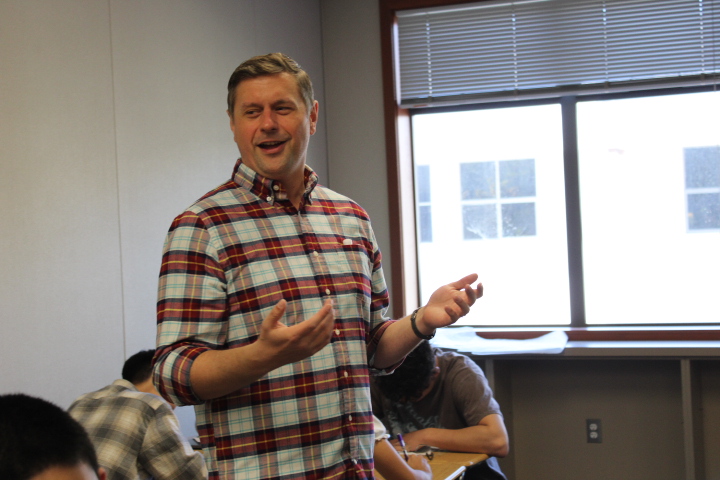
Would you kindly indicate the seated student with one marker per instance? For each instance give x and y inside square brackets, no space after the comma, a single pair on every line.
[135,432]
[391,465]
[443,399]
[40,441]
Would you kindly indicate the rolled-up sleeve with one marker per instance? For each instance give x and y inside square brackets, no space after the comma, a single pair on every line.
[191,307]
[378,312]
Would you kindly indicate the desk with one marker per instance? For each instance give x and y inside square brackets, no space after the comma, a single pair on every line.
[450,465]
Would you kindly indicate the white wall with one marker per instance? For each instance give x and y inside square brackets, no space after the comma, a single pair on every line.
[112,121]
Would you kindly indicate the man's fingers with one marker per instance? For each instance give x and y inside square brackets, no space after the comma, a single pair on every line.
[277,312]
[322,323]
[468,279]
[471,294]
[452,314]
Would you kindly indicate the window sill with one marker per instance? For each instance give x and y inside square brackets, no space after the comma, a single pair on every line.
[609,334]
[656,342]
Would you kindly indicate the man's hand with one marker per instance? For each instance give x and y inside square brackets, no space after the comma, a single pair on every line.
[219,372]
[448,303]
[282,345]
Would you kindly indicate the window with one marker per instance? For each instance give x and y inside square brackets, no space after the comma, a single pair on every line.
[499,192]
[702,184]
[581,176]
[644,260]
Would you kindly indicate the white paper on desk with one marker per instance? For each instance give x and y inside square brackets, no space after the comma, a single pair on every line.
[464,339]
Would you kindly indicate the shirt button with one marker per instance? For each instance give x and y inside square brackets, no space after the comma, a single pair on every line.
[349,418]
[345,373]
[276,187]
[269,198]
[316,254]
[337,331]
[327,291]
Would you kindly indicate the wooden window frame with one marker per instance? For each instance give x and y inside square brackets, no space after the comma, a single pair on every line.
[398,145]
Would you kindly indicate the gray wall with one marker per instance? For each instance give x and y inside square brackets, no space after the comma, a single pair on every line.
[354,113]
[112,121]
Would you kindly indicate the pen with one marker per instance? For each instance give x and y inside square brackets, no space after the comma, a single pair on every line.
[402,444]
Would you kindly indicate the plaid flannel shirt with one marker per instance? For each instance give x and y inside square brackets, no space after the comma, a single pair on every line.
[227,261]
[136,435]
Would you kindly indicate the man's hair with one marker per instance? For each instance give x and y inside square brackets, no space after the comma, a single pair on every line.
[412,377]
[270,64]
[36,435]
[138,368]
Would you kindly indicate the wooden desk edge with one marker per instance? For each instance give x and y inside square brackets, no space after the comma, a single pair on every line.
[457,462]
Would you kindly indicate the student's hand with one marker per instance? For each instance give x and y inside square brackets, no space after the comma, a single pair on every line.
[413,440]
[448,303]
[419,462]
[285,344]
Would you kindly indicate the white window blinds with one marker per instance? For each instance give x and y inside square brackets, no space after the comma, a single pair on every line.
[494,50]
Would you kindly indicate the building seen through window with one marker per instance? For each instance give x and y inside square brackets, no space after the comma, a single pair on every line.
[498,198]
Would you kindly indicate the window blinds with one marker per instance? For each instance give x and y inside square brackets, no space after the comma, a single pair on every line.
[494,50]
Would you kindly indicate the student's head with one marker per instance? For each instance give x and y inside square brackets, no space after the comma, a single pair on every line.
[270,64]
[411,380]
[138,371]
[138,368]
[39,441]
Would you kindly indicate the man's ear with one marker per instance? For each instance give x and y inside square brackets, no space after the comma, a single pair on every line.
[232,121]
[314,117]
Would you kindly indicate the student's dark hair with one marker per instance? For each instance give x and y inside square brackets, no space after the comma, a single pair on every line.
[138,368]
[36,435]
[412,377]
[270,64]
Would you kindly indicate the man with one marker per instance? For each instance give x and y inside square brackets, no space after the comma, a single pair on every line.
[135,431]
[443,399]
[272,298]
[40,441]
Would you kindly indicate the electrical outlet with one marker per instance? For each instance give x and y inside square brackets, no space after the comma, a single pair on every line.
[593,427]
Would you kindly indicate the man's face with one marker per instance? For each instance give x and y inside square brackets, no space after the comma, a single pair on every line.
[272,127]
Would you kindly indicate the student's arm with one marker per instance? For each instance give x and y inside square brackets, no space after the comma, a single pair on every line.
[489,436]
[445,306]
[393,467]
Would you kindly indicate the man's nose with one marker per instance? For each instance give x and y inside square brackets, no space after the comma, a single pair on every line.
[268,121]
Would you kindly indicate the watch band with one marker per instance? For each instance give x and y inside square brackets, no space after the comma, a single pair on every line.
[417,332]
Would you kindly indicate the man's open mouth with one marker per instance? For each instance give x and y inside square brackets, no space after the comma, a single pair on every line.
[270,145]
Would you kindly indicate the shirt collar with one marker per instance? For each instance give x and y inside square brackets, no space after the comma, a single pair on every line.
[268,189]
[126,384]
